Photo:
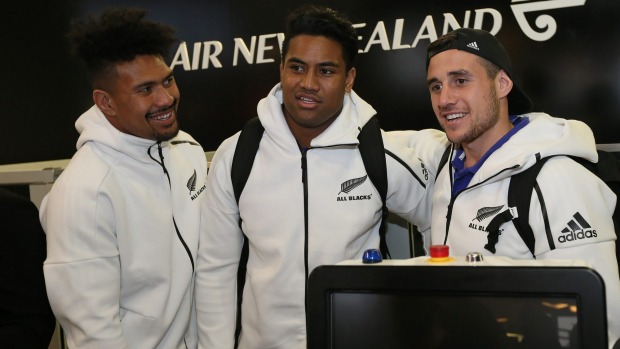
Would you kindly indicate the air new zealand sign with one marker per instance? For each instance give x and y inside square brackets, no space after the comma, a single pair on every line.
[535,18]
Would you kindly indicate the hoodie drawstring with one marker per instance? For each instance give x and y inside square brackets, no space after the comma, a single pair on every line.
[176,228]
[161,160]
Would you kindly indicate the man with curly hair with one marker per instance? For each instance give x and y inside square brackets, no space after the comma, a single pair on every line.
[122,220]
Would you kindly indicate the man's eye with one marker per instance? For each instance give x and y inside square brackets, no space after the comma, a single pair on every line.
[169,81]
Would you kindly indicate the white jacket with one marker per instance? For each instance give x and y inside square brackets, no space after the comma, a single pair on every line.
[568,190]
[294,226]
[123,237]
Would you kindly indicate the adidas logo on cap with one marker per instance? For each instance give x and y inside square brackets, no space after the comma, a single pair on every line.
[577,228]
[473,45]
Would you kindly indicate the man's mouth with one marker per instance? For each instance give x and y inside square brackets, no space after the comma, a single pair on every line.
[455,116]
[161,116]
[306,100]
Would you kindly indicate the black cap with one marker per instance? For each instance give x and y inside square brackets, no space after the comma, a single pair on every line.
[484,44]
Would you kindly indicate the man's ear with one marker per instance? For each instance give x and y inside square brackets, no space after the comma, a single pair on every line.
[104,101]
[505,84]
[350,80]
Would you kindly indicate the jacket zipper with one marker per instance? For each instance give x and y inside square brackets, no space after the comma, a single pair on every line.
[176,228]
[304,181]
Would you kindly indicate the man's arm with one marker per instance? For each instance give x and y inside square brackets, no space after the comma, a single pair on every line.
[82,269]
[411,174]
[221,240]
[428,145]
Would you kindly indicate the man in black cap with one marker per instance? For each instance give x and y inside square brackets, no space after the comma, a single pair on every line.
[494,137]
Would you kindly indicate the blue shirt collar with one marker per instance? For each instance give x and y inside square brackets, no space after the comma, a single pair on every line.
[462,175]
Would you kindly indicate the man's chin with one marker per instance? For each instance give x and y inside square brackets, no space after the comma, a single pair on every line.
[168,135]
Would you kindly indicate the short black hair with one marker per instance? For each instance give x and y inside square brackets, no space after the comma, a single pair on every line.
[118,35]
[322,21]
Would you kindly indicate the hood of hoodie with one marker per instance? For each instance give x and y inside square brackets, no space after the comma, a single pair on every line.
[344,130]
[93,126]
[543,136]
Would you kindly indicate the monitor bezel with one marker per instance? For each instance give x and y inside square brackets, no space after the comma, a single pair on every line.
[581,282]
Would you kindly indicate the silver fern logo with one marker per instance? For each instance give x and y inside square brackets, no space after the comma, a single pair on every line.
[487,212]
[191,183]
[483,214]
[351,184]
[347,186]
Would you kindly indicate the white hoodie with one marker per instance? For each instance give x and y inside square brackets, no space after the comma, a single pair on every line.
[295,225]
[567,189]
[122,239]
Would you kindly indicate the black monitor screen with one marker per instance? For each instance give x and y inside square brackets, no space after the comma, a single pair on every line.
[455,307]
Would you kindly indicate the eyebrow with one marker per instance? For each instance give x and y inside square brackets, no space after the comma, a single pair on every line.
[460,72]
[322,64]
[151,83]
[452,74]
[431,81]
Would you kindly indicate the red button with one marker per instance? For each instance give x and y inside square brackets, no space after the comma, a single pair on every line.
[440,251]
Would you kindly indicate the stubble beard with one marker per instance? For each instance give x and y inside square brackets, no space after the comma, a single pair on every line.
[488,119]
[170,132]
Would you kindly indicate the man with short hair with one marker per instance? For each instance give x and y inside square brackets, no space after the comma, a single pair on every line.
[494,137]
[308,200]
[123,219]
